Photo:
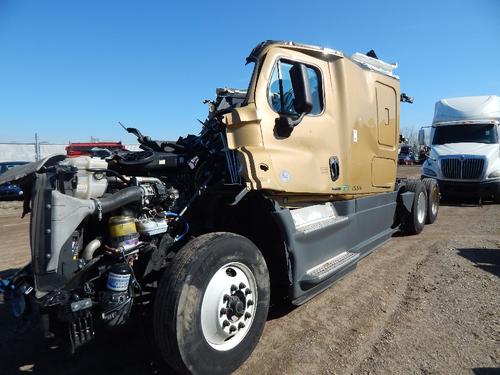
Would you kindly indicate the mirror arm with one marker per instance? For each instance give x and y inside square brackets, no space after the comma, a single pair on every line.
[289,122]
[294,123]
[285,124]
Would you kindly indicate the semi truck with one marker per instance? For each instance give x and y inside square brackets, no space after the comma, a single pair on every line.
[290,183]
[464,154]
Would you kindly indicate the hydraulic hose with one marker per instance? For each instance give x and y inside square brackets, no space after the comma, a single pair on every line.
[119,199]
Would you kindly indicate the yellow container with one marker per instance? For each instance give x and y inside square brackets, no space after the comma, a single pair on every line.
[120,226]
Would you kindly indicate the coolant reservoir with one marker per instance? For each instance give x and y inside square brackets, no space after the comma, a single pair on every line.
[90,184]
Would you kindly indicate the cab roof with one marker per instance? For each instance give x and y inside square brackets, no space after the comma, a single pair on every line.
[467,109]
[360,59]
[261,47]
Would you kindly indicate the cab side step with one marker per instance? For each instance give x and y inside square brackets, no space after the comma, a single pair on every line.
[328,268]
[321,223]
[314,218]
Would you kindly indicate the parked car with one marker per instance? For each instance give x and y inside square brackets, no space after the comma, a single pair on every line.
[9,190]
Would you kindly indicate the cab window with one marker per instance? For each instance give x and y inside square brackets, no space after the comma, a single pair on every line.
[281,91]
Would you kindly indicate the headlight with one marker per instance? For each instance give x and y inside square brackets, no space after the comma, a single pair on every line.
[429,172]
[495,174]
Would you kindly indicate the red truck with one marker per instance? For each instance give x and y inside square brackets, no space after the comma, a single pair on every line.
[80,149]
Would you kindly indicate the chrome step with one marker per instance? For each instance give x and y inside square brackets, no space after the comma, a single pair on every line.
[332,265]
[322,223]
[312,218]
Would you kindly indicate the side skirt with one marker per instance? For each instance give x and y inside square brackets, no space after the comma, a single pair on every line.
[325,241]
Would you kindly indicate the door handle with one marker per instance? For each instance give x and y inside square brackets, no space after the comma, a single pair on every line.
[334,168]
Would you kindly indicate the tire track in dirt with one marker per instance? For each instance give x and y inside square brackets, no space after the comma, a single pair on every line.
[404,305]
[341,330]
[443,323]
[334,330]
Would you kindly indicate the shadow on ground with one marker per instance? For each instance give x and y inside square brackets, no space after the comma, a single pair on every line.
[127,350]
[486,259]
[23,350]
[465,201]
[486,371]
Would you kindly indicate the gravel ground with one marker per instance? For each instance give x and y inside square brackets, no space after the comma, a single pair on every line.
[427,304]
[10,208]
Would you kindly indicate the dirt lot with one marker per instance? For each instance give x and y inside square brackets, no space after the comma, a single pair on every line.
[426,304]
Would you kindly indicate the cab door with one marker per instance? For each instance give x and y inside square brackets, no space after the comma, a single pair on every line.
[299,160]
[384,165]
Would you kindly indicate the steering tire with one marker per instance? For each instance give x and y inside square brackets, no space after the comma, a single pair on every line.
[433,197]
[413,222]
[212,304]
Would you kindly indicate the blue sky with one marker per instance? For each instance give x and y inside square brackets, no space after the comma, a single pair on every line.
[70,70]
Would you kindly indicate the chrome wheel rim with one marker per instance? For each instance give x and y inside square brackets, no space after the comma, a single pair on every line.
[434,201]
[228,306]
[421,203]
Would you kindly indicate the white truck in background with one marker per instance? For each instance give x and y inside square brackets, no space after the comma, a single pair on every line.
[464,145]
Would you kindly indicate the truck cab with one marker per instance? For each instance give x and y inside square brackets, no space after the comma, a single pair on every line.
[465,153]
[345,146]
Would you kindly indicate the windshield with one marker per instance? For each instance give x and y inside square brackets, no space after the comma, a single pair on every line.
[482,133]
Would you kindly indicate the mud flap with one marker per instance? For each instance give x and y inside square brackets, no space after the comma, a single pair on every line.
[407,199]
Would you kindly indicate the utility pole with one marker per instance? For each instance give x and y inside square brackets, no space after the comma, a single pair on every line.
[37,148]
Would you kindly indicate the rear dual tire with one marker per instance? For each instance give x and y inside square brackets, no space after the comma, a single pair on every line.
[425,206]
[433,197]
[413,222]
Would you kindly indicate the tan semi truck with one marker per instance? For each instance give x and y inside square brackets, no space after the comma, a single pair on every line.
[289,184]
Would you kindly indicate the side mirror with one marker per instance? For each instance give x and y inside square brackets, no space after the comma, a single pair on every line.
[421,137]
[405,98]
[424,136]
[302,102]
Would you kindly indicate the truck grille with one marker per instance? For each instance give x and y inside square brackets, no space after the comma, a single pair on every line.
[466,169]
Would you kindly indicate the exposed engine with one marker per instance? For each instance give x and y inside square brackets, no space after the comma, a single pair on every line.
[104,228]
